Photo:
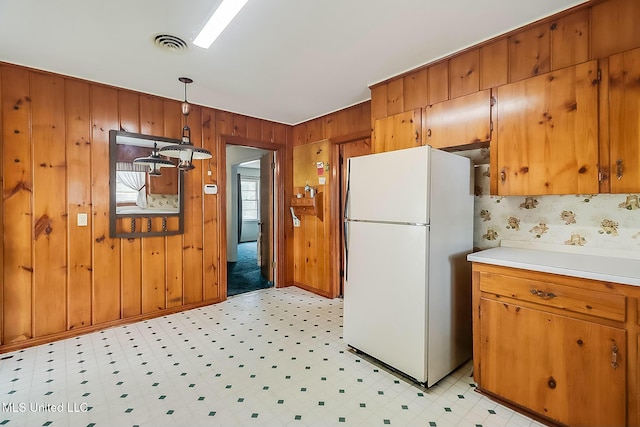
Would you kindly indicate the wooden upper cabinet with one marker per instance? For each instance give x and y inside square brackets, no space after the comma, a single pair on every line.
[438,81]
[614,27]
[570,39]
[494,64]
[395,99]
[464,70]
[624,127]
[460,121]
[415,90]
[398,131]
[547,133]
[529,53]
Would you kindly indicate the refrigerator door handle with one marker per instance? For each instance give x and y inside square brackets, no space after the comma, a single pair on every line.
[346,251]
[344,231]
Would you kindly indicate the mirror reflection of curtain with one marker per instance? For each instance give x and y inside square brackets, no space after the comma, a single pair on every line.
[135,181]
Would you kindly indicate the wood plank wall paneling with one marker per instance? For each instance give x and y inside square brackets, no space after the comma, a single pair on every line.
[78,153]
[106,251]
[191,256]
[173,122]
[310,249]
[211,286]
[17,192]
[49,213]
[1,223]
[153,248]
[130,249]
[59,279]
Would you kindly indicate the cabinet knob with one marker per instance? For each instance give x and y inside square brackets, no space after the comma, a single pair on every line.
[429,132]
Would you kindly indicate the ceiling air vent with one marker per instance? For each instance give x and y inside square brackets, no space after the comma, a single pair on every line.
[170,42]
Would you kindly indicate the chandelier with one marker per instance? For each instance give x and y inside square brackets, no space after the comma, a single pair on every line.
[185,151]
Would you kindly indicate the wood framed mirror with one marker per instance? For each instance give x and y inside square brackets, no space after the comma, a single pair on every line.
[146,199]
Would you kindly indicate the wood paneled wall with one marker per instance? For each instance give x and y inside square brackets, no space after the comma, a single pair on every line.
[59,279]
[595,30]
[314,264]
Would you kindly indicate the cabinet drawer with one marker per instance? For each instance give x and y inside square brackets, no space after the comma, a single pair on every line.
[573,299]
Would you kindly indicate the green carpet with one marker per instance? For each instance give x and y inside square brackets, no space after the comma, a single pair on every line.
[244,275]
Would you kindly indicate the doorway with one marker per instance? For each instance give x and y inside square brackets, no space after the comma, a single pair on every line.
[346,150]
[250,219]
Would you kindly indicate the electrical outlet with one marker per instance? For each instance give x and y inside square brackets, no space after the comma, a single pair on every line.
[82,220]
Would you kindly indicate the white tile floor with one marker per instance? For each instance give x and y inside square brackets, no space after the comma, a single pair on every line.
[269,358]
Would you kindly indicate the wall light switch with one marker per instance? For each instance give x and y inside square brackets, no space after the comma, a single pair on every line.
[82,220]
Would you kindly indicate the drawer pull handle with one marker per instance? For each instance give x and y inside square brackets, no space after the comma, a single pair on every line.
[614,356]
[542,294]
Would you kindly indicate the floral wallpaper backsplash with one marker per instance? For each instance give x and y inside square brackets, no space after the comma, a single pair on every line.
[609,221]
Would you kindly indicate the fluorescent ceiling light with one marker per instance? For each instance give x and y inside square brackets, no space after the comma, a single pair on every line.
[223,15]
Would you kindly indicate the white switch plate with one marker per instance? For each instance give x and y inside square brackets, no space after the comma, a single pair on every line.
[82,220]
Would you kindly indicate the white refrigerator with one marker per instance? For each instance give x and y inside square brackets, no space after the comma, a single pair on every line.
[407,291]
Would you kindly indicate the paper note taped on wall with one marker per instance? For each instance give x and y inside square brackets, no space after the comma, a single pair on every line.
[320,167]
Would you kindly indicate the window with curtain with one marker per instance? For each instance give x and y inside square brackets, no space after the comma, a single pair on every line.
[250,190]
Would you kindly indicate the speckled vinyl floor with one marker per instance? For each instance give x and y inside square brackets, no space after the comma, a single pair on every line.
[273,357]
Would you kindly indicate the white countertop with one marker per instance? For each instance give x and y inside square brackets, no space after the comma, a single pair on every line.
[610,266]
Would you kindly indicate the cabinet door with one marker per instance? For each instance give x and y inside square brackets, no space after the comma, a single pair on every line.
[547,136]
[461,121]
[624,128]
[398,131]
[571,371]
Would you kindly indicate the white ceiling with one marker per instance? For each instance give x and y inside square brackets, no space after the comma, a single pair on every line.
[283,60]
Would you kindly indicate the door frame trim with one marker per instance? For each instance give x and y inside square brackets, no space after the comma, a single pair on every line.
[278,203]
[334,207]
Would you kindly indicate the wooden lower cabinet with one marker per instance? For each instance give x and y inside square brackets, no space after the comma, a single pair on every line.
[556,366]
[537,346]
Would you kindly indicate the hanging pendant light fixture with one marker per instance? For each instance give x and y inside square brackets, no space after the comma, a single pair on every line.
[154,161]
[185,151]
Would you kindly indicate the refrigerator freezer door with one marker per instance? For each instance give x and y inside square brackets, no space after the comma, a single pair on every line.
[390,187]
[385,294]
